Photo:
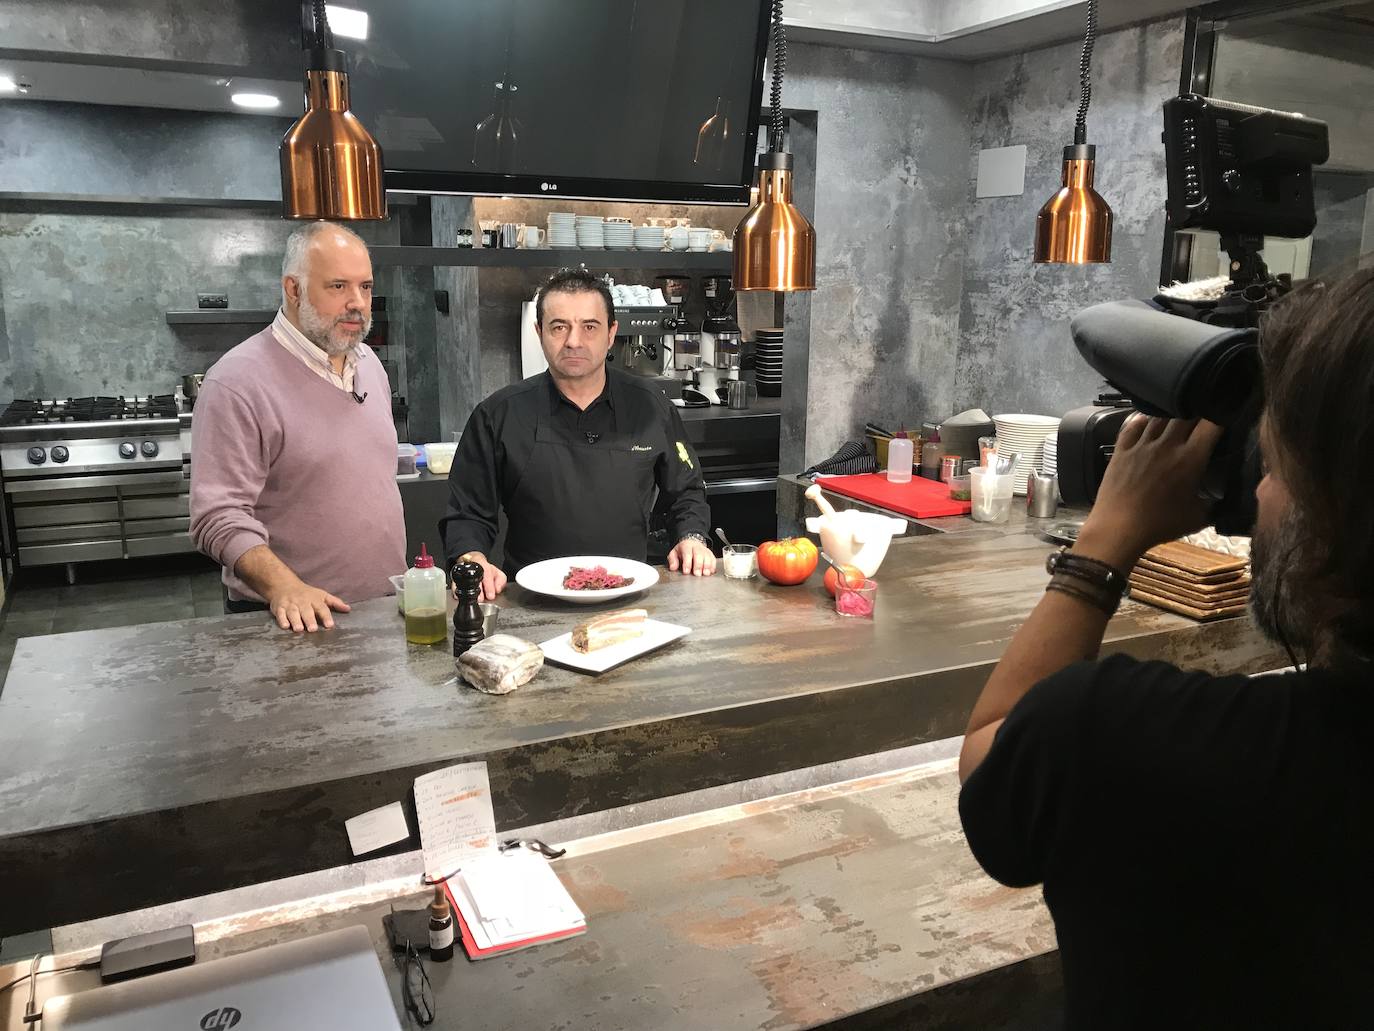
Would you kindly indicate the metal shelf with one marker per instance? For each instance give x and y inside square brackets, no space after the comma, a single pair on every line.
[233,316]
[712,261]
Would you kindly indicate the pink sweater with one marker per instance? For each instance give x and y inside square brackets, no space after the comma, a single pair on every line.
[283,458]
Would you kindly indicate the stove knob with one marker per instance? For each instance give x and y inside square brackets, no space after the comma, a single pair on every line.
[127,450]
[149,449]
[60,454]
[37,456]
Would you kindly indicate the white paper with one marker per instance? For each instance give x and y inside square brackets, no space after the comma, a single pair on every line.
[456,820]
[514,897]
[1002,172]
[376,829]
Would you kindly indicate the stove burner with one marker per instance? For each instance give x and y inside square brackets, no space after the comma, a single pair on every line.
[26,412]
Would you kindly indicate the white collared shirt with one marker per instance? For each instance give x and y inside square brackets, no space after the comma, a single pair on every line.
[315,359]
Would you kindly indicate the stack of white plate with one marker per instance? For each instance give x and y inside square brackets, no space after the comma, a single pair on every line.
[562,229]
[591,232]
[1050,465]
[619,233]
[1025,435]
[649,238]
[768,362]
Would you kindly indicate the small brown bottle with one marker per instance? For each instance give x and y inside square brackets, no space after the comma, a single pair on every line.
[440,927]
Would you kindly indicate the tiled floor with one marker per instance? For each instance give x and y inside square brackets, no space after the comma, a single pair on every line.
[108,594]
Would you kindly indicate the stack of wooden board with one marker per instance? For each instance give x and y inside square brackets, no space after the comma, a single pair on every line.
[1192,581]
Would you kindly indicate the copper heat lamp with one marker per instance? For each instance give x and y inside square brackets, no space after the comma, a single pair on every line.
[775,246]
[1075,225]
[331,167]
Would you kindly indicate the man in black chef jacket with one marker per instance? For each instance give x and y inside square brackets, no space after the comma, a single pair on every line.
[576,455]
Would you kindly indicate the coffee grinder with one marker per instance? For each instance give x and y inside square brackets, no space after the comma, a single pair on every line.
[720,333]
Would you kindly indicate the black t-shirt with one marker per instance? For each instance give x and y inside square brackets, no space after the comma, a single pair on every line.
[1204,842]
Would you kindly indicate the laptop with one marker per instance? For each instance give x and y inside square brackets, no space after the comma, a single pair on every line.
[331,980]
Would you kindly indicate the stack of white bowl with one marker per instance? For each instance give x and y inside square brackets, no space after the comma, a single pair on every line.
[619,233]
[1026,436]
[562,229]
[591,232]
[649,238]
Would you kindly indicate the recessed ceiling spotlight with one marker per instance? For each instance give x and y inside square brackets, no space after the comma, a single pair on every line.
[347,21]
[258,101]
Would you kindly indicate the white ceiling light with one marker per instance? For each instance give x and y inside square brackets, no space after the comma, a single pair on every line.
[8,85]
[347,21]
[258,101]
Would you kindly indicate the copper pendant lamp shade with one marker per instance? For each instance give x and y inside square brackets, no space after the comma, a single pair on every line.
[775,245]
[1075,225]
[331,167]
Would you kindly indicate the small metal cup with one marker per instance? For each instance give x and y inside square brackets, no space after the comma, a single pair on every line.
[1042,495]
[737,393]
[489,613]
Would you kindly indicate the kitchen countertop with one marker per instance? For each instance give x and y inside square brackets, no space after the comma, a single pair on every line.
[223,752]
[782,913]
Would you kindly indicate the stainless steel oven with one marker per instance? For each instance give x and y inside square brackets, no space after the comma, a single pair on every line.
[95,478]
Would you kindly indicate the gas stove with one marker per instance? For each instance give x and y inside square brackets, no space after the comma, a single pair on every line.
[89,435]
[91,478]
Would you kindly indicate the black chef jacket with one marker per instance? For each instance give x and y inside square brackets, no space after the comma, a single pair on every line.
[571,482]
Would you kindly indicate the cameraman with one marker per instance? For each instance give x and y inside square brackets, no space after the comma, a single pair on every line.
[1205,843]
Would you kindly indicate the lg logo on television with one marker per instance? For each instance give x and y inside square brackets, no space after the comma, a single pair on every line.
[221,1019]
[546,187]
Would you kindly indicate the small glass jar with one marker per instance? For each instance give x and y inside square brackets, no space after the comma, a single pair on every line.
[857,599]
[740,561]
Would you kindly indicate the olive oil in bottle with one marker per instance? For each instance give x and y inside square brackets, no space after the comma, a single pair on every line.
[426,607]
[426,626]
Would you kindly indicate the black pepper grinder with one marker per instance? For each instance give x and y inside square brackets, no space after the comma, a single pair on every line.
[467,617]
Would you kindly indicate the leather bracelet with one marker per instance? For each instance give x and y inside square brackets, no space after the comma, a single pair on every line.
[1108,604]
[1089,569]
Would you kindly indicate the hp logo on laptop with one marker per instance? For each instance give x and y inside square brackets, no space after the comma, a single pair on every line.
[218,1020]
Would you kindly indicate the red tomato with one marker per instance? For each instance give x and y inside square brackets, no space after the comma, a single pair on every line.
[788,562]
[851,575]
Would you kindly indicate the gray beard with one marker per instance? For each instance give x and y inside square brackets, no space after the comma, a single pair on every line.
[318,329]
[1275,607]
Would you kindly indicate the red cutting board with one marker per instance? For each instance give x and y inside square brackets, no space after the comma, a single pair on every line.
[920,499]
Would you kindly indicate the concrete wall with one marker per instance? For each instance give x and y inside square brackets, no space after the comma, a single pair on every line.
[1014,350]
[891,174]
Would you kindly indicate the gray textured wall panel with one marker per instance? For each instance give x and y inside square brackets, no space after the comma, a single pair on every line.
[253,33]
[91,150]
[83,295]
[1014,349]
[891,169]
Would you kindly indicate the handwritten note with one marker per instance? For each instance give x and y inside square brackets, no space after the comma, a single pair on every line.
[376,829]
[456,820]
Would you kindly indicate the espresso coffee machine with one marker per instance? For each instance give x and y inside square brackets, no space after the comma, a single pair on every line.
[644,345]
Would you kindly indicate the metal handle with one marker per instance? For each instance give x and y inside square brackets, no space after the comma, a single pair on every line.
[172,478]
[741,486]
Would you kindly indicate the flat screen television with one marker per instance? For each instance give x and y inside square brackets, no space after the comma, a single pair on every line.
[654,100]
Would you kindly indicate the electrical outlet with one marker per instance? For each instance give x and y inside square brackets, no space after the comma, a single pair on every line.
[212,300]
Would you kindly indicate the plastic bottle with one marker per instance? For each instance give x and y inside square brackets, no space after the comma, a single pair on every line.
[930,457]
[900,452]
[440,927]
[426,607]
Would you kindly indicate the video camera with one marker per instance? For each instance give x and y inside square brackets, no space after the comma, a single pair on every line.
[1246,173]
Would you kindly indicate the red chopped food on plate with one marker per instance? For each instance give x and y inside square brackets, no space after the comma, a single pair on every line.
[597,578]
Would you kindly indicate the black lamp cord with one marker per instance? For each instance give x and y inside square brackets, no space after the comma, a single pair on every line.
[324,38]
[779,34]
[1085,76]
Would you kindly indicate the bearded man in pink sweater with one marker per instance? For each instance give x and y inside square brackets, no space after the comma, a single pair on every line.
[293,468]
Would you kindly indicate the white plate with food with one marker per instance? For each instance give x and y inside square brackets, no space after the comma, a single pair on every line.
[605,641]
[587,579]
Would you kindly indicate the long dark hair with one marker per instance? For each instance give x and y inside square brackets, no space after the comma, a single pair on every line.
[1317,346]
